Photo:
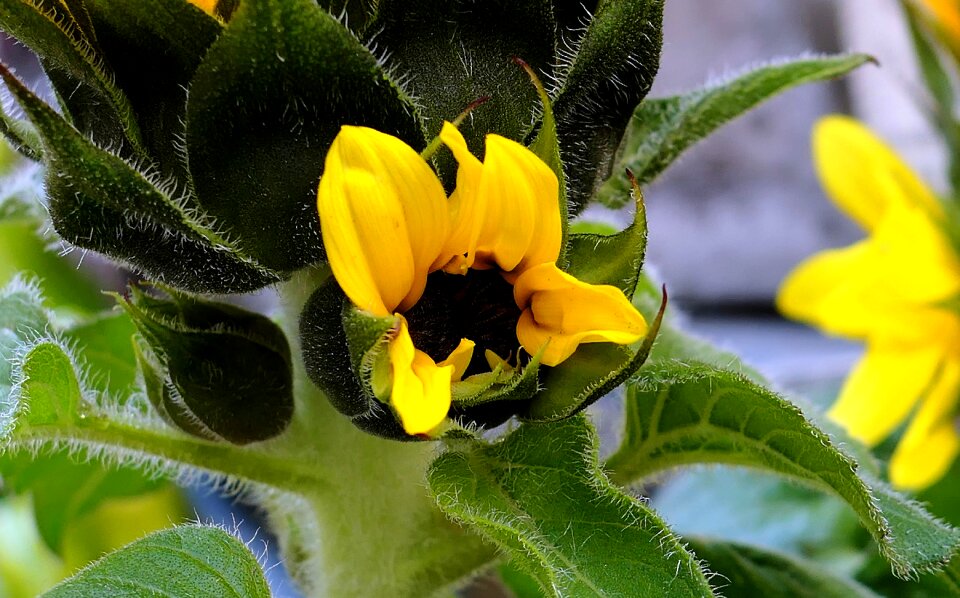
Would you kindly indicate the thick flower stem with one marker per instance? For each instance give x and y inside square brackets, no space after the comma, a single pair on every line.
[375,531]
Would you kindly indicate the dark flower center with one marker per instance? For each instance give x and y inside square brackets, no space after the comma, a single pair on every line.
[478,306]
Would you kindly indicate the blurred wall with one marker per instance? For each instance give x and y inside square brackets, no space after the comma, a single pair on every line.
[736,213]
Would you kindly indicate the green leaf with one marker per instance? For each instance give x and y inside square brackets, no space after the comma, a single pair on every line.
[661,129]
[540,496]
[58,34]
[264,106]
[189,562]
[747,572]
[48,392]
[458,51]
[63,489]
[680,414]
[613,69]
[103,344]
[98,201]
[155,47]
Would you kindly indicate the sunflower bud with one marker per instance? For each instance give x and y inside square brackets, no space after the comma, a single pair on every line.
[212,369]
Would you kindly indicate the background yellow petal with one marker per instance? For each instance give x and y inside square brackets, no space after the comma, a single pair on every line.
[863,175]
[207,6]
[883,388]
[408,187]
[567,312]
[421,389]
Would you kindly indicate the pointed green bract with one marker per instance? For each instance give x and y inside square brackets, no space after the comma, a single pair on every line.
[540,496]
[613,69]
[98,201]
[264,106]
[661,129]
[679,414]
[457,51]
[184,562]
[748,572]
[225,370]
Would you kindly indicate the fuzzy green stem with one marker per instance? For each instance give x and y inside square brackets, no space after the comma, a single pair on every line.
[375,531]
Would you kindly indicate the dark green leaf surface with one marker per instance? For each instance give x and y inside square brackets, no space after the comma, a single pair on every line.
[98,201]
[154,47]
[264,106]
[458,51]
[662,129]
[680,414]
[747,572]
[612,71]
[541,497]
[183,562]
[75,67]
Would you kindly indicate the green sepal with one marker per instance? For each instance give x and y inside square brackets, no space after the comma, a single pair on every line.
[458,51]
[613,70]
[661,129]
[264,106]
[21,135]
[100,202]
[611,259]
[154,48]
[224,367]
[589,374]
[60,34]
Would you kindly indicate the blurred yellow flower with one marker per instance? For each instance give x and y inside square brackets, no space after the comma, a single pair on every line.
[208,6]
[387,225]
[896,290]
[945,15]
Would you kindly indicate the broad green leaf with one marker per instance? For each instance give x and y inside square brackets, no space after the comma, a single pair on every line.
[184,562]
[458,51]
[154,47]
[661,129]
[64,489]
[103,344]
[264,106]
[680,414]
[98,201]
[540,496]
[75,67]
[612,70]
[48,392]
[941,584]
[747,572]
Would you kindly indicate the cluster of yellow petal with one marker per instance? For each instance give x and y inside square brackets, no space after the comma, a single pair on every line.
[888,290]
[387,224]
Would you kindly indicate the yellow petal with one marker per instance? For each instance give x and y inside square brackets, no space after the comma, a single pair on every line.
[862,175]
[421,389]
[460,358]
[930,443]
[383,216]
[884,287]
[207,6]
[560,312]
[947,16]
[506,210]
[882,390]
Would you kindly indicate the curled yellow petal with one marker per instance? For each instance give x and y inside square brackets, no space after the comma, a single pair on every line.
[460,358]
[207,6]
[420,393]
[883,388]
[383,218]
[561,312]
[862,175]
[930,443]
[505,211]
